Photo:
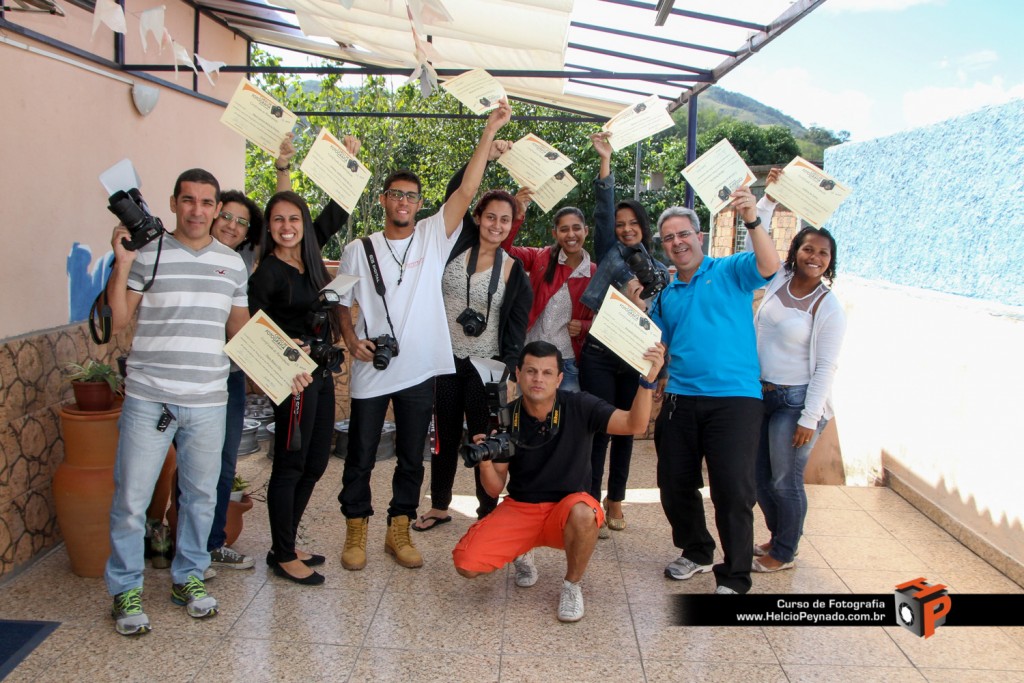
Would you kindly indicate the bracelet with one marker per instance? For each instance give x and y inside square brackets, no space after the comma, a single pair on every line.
[282,170]
[648,385]
[751,226]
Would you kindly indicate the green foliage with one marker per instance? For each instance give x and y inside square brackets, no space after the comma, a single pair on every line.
[93,371]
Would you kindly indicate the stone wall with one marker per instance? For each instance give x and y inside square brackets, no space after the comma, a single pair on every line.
[32,391]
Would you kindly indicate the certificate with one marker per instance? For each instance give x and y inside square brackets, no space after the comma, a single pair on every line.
[808,191]
[715,175]
[258,117]
[533,161]
[335,171]
[268,356]
[476,89]
[552,191]
[625,329]
[638,122]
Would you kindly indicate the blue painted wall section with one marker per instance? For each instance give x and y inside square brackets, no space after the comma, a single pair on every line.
[84,284]
[940,207]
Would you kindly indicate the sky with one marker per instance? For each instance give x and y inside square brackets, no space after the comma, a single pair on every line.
[877,67]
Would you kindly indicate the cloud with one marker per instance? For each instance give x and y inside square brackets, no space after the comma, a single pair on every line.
[979,59]
[792,91]
[931,105]
[838,6]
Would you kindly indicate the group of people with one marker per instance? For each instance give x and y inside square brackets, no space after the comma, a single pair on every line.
[750,405]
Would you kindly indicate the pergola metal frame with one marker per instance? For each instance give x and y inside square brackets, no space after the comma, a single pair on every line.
[241,16]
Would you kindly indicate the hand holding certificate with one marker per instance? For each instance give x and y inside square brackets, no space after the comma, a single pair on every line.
[808,191]
[532,161]
[637,122]
[258,117]
[716,174]
[337,172]
[552,191]
[268,356]
[476,89]
[625,329]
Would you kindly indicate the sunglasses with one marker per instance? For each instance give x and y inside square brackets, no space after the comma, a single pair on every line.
[243,222]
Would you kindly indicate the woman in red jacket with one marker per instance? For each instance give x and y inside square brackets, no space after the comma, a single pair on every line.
[558,275]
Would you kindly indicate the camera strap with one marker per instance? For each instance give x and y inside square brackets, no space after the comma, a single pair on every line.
[378,283]
[101,317]
[492,287]
[548,429]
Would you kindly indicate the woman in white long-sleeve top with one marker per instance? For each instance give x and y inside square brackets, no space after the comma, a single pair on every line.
[800,327]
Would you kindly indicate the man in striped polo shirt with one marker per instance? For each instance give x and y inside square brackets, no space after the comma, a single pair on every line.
[188,289]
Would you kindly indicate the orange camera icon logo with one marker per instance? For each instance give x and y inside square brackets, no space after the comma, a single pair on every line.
[921,606]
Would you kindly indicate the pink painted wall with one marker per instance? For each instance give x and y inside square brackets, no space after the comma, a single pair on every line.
[63,125]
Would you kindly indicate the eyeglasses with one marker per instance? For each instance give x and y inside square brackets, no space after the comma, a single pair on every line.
[672,237]
[397,195]
[243,222]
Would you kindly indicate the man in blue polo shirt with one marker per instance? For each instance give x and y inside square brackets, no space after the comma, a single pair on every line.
[712,407]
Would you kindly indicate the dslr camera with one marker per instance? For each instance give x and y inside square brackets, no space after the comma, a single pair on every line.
[473,324]
[652,278]
[387,348]
[130,208]
[500,446]
[321,350]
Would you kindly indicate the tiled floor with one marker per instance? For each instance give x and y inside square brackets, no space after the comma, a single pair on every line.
[387,623]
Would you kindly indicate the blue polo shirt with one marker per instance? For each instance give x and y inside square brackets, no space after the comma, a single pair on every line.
[708,326]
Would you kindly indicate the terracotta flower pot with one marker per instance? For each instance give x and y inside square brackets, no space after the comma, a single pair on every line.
[94,396]
[233,525]
[83,486]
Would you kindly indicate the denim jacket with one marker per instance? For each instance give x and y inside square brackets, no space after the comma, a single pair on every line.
[611,266]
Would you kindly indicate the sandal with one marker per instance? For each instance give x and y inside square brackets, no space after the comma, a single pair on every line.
[614,523]
[436,521]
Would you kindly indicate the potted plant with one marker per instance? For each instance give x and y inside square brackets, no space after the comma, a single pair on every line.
[94,384]
[238,487]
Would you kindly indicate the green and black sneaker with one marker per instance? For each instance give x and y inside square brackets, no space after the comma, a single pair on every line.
[192,594]
[129,618]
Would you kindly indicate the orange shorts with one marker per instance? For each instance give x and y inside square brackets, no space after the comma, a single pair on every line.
[514,528]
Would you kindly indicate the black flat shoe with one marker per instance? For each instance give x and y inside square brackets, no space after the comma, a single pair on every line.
[271,562]
[313,579]
[315,560]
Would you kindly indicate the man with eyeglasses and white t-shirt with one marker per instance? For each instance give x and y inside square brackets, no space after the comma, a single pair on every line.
[403,303]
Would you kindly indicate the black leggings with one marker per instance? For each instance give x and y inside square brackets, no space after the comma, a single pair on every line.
[457,395]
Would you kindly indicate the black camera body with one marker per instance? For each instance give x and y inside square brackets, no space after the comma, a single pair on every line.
[473,324]
[130,208]
[500,446]
[652,278]
[321,350]
[387,348]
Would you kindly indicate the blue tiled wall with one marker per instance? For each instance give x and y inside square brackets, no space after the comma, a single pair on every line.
[940,207]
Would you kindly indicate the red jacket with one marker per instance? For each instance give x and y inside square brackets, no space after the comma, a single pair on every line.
[535,260]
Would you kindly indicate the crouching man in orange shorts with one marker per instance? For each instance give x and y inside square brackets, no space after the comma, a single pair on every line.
[548,476]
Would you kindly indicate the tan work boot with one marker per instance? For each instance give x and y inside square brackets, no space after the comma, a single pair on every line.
[353,555]
[398,543]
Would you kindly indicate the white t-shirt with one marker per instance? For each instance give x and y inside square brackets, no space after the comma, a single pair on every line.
[416,307]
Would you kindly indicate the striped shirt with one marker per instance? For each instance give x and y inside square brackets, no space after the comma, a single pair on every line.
[178,354]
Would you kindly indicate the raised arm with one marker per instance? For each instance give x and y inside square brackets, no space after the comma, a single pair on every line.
[459,202]
[636,419]
[283,164]
[764,247]
[122,301]
[604,198]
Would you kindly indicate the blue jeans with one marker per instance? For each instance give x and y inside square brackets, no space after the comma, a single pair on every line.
[570,375]
[141,450]
[780,469]
[228,457]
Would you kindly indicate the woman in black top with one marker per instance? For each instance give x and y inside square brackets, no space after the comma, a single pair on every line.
[286,286]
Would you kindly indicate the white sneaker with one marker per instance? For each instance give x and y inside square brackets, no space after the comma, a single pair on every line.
[570,605]
[725,590]
[682,568]
[526,570]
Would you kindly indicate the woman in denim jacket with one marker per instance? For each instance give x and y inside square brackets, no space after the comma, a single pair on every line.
[619,229]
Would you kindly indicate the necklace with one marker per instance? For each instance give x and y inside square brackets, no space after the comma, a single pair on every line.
[401,264]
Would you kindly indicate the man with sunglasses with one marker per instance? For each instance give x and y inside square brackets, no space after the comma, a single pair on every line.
[401,312]
[712,402]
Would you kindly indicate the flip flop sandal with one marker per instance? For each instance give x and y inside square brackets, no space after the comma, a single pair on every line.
[438,521]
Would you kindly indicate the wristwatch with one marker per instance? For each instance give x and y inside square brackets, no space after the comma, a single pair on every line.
[751,226]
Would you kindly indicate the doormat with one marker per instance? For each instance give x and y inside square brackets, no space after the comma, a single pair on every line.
[18,639]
